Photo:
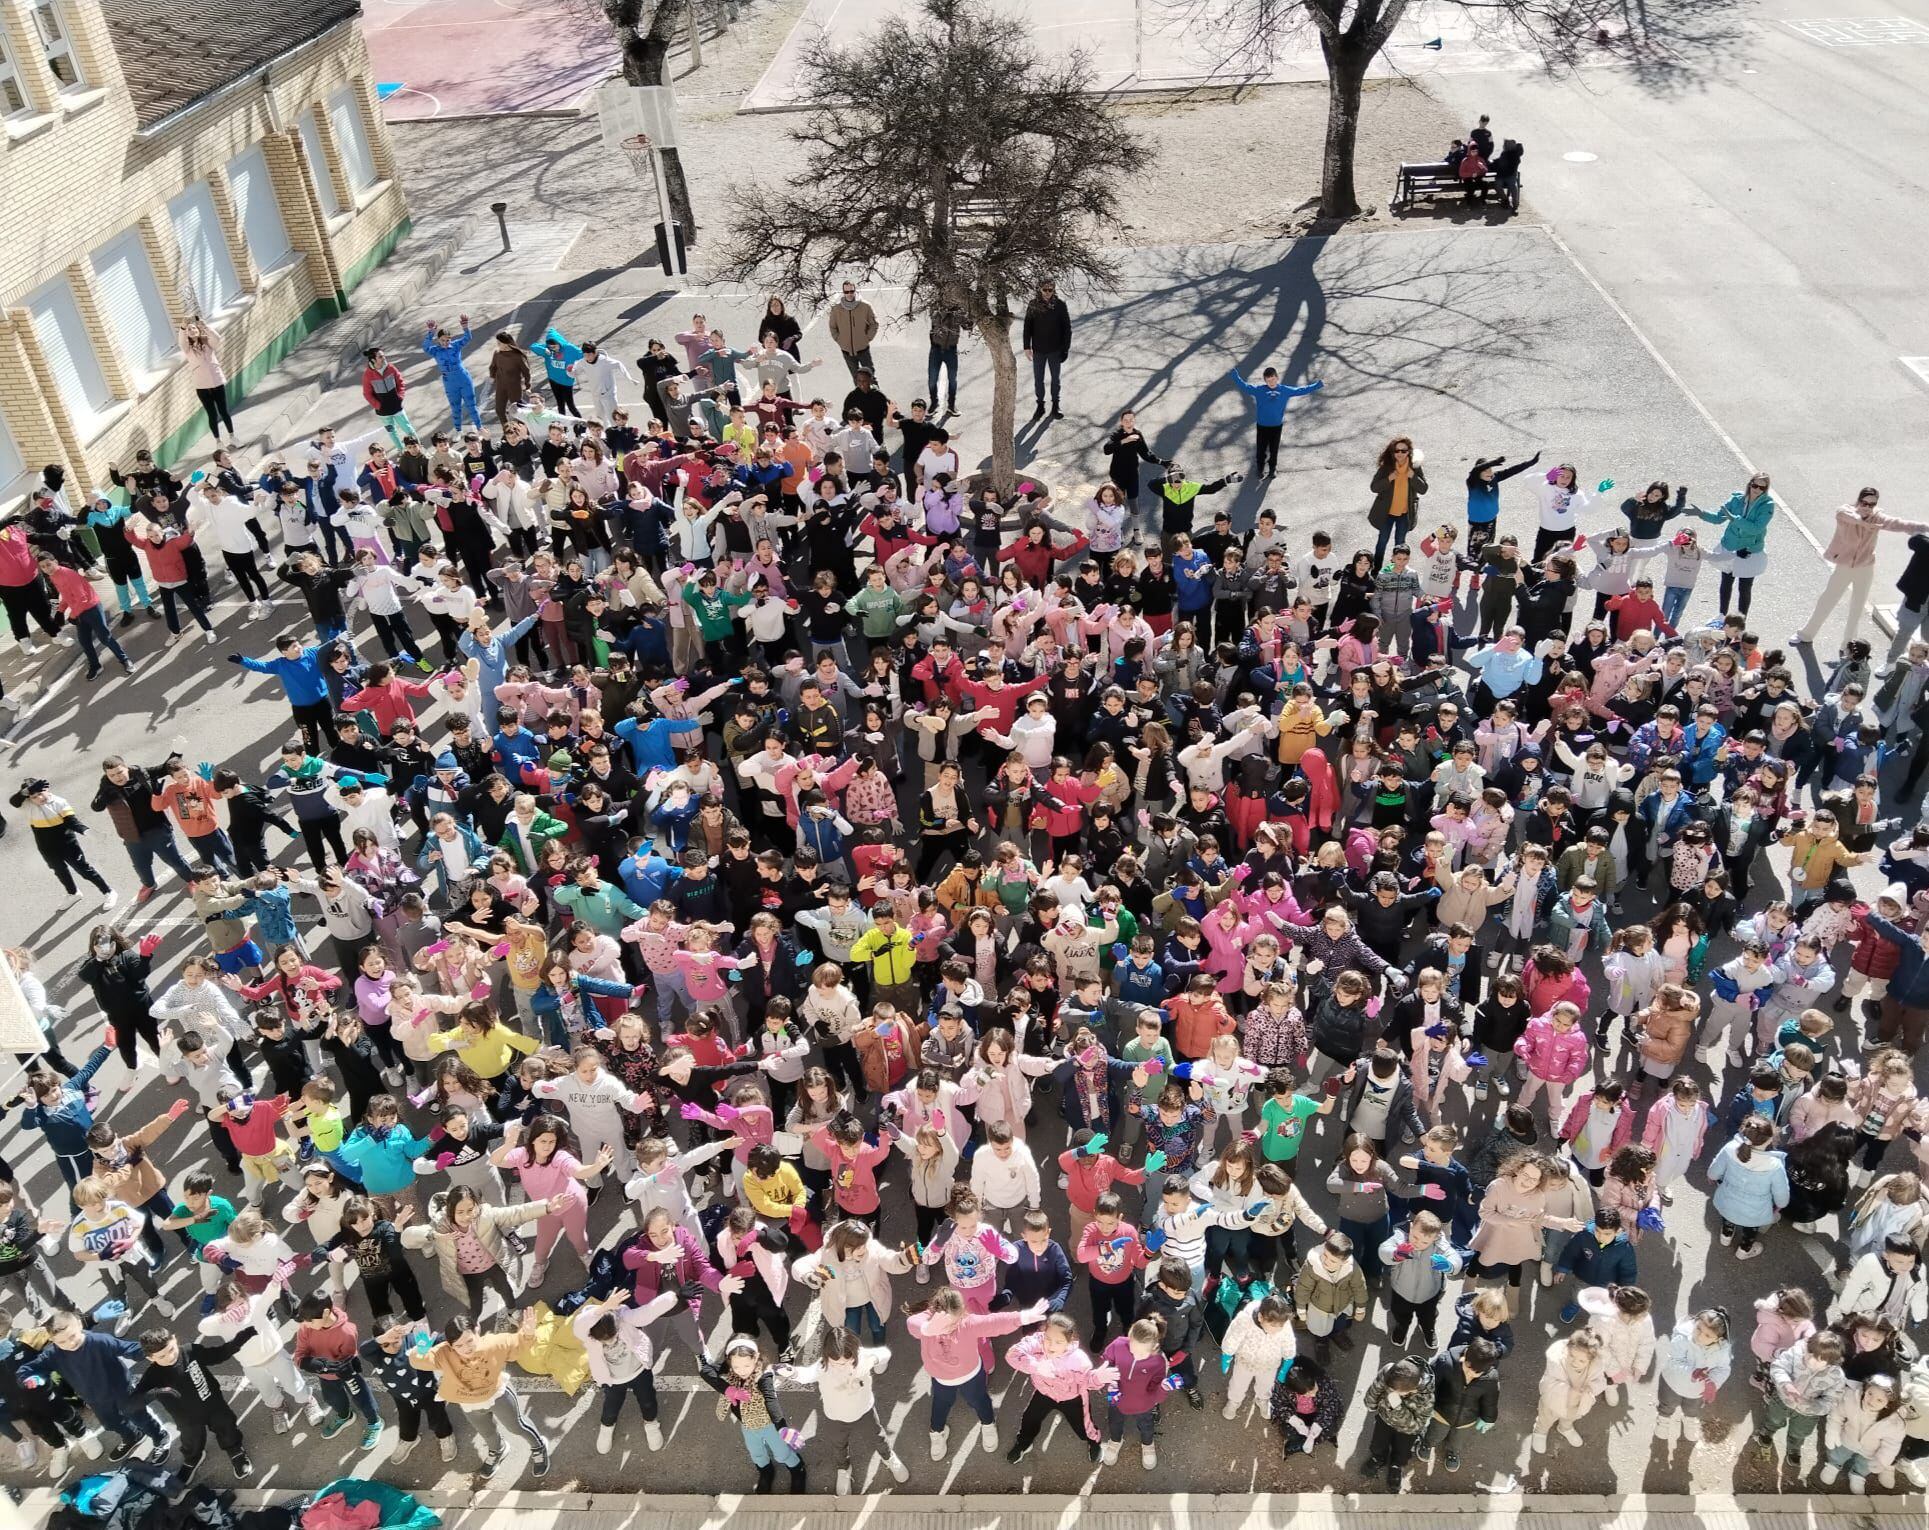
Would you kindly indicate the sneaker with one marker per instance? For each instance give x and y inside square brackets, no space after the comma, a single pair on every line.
[1753,1251]
[89,1445]
[990,1434]
[1195,1397]
[1230,1411]
[372,1435]
[1727,1237]
[653,1434]
[163,1308]
[1374,1466]
[844,1479]
[282,1422]
[1342,1341]
[1480,1089]
[313,1412]
[1392,1478]
[1829,1475]
[29,647]
[491,1459]
[334,1426]
[1547,1273]
[446,1445]
[403,1450]
[109,898]
[1424,1455]
[605,1437]
[243,1467]
[1537,1443]
[1570,1312]
[1569,1433]
[210,636]
[923,1274]
[125,1448]
[1109,1454]
[1149,1457]
[539,1464]
[24,1449]
[1014,1456]
[143,895]
[1801,640]
[1453,1462]
[937,1444]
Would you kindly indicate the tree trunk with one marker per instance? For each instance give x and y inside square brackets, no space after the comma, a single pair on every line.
[646,56]
[1345,74]
[995,331]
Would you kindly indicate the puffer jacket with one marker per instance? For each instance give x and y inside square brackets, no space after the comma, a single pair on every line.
[1557,1057]
[1749,1194]
[1566,1396]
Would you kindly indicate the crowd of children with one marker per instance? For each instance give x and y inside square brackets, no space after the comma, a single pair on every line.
[819,916]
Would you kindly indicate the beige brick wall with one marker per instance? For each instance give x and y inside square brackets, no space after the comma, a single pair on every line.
[85,178]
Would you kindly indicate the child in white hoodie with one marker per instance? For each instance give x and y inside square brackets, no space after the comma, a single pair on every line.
[1623,1317]
[844,1374]
[1258,1344]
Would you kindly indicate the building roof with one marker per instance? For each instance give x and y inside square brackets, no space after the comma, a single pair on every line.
[174,53]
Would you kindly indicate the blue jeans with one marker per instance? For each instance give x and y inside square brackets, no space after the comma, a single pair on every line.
[855,1319]
[156,844]
[346,1394]
[91,627]
[941,356]
[767,1448]
[974,1393]
[1145,1423]
[1041,362]
[1391,533]
[1674,600]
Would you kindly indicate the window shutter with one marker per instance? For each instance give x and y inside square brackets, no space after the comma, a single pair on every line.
[131,303]
[311,143]
[69,351]
[205,261]
[254,199]
[345,117]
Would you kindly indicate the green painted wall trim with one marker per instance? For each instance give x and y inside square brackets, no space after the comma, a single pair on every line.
[383,248]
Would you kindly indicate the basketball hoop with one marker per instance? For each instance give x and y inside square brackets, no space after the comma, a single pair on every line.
[637,147]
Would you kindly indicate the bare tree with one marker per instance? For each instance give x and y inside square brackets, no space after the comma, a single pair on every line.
[1662,40]
[645,29]
[941,150]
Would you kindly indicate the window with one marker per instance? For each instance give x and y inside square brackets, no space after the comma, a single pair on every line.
[205,260]
[351,139]
[55,45]
[13,98]
[311,142]
[258,208]
[131,305]
[69,350]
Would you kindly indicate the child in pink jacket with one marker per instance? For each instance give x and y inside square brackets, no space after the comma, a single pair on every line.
[949,1340]
[1556,1051]
[1063,1378]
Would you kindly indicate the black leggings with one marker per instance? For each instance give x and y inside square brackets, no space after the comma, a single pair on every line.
[242,566]
[1032,1423]
[565,399]
[641,1386]
[479,1283]
[400,1281]
[1728,582]
[1110,1300]
[132,1028]
[753,1305]
[214,403]
[393,633]
[410,1416]
[322,835]
[1390,1445]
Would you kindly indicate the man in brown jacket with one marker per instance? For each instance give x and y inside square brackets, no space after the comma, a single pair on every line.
[853,327]
[509,373]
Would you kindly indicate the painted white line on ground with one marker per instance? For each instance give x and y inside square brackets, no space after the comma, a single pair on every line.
[1676,378]
[1919,365]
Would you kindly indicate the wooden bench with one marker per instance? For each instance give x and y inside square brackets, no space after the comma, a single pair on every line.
[1437,178]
